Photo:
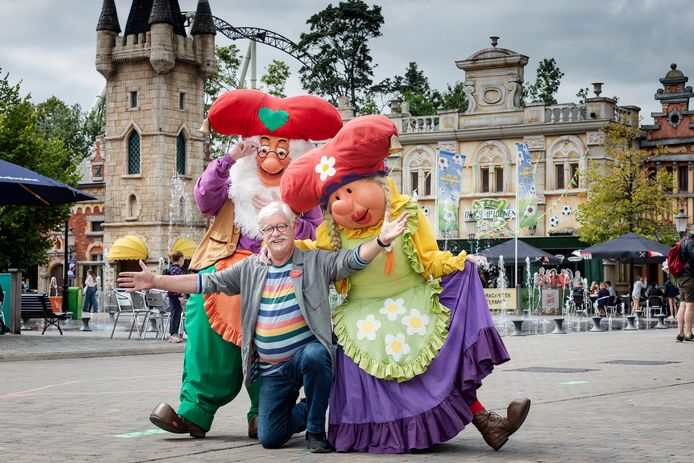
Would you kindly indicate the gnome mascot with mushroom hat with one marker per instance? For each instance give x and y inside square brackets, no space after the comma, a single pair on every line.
[414,331]
[233,188]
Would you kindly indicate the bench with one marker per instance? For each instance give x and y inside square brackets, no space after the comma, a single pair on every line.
[37,305]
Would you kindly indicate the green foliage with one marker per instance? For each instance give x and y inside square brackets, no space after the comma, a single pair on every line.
[413,87]
[55,119]
[338,41]
[32,137]
[582,94]
[275,78]
[622,197]
[546,83]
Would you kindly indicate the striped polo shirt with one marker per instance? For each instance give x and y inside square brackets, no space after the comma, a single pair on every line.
[281,329]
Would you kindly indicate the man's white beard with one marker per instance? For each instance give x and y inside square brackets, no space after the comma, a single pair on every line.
[246,183]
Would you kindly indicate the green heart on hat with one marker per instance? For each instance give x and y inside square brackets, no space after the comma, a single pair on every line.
[273,120]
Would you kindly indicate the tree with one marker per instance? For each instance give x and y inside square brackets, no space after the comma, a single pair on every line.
[546,83]
[28,140]
[275,78]
[338,41]
[56,119]
[413,87]
[621,196]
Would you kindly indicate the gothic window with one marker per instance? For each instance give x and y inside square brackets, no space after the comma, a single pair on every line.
[132,206]
[134,153]
[181,154]
[133,100]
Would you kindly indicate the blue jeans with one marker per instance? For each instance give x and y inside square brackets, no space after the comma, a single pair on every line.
[175,315]
[279,416]
[90,300]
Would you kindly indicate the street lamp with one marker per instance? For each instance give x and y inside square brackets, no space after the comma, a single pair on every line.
[681,221]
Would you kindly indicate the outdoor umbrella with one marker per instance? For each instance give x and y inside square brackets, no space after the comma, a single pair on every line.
[20,186]
[632,248]
[507,249]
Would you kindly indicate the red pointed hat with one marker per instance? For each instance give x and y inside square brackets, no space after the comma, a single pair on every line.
[249,112]
[357,151]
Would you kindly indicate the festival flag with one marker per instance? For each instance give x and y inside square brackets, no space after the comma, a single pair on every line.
[450,167]
[525,184]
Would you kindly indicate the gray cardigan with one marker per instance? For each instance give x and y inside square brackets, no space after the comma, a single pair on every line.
[314,269]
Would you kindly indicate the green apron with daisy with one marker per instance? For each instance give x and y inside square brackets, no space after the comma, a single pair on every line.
[392,325]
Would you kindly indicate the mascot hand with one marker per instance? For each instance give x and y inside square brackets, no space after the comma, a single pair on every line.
[260,202]
[243,149]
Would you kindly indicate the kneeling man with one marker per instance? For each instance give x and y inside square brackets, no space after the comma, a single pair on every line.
[285,318]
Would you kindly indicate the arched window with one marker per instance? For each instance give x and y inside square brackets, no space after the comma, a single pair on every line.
[132,206]
[490,159]
[419,172]
[181,154]
[565,163]
[134,153]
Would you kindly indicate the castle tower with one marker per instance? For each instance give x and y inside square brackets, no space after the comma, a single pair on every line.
[152,149]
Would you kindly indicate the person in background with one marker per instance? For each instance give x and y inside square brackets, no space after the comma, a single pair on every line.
[90,303]
[176,258]
[685,282]
[603,297]
[637,292]
[655,296]
[615,300]
[577,279]
[671,293]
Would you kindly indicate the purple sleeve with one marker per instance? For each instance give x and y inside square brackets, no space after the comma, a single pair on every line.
[307,223]
[212,188]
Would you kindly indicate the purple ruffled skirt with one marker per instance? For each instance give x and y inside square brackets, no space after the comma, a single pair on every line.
[368,414]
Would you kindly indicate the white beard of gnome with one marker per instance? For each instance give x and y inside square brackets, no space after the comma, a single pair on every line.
[245,184]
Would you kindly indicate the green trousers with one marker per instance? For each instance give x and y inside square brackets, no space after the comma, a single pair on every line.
[212,369]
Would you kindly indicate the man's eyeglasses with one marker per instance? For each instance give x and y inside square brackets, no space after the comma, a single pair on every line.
[281,228]
[281,153]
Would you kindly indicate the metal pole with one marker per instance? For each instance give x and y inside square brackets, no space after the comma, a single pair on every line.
[65,305]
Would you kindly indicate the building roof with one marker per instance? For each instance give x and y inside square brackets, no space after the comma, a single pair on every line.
[144,13]
[108,20]
[203,23]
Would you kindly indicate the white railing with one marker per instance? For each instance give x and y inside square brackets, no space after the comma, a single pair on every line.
[419,124]
[565,113]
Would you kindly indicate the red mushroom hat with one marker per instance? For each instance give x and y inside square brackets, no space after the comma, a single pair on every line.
[249,112]
[357,151]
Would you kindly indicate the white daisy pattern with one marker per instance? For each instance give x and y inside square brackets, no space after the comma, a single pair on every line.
[392,308]
[326,167]
[367,328]
[396,346]
[416,323]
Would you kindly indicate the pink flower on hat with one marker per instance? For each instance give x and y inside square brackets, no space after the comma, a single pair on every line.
[326,167]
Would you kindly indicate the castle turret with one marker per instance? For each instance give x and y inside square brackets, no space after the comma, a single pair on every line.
[161,26]
[203,33]
[107,30]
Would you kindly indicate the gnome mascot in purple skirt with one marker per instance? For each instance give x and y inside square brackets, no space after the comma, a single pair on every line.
[415,336]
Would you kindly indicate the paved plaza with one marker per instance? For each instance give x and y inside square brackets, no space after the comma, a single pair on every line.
[615,396]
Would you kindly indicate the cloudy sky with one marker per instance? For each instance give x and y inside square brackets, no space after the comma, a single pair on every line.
[628,44]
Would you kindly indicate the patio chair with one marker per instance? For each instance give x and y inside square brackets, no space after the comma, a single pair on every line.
[130,305]
[157,312]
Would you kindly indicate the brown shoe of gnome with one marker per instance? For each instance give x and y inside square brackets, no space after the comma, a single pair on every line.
[496,429]
[165,417]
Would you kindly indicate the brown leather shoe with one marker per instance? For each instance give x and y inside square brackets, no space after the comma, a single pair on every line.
[253,428]
[165,417]
[495,429]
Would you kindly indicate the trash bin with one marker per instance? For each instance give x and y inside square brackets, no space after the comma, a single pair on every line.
[74,297]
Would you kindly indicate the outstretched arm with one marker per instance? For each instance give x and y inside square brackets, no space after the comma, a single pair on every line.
[138,281]
[389,231]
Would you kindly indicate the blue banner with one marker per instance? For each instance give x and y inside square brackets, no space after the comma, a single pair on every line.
[526,194]
[450,166]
